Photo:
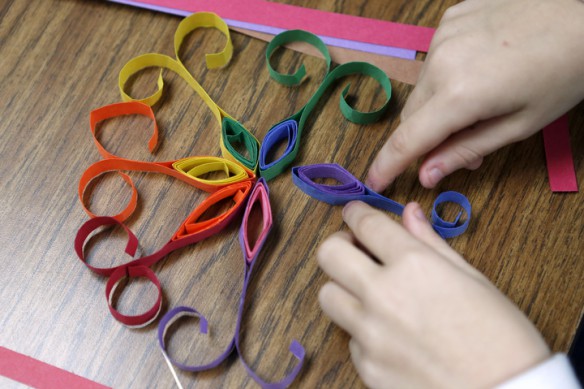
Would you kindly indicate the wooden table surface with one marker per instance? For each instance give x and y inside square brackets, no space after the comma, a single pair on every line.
[60,59]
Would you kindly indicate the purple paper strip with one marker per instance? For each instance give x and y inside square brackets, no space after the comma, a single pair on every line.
[348,44]
[259,194]
[295,347]
[351,189]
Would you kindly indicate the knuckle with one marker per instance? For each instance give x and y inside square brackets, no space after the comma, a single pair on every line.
[379,284]
[327,249]
[398,143]
[451,13]
[368,371]
[324,295]
[368,223]
[413,261]
[446,53]
[457,92]
[466,155]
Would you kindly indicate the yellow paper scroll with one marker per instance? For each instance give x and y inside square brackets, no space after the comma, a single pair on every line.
[232,132]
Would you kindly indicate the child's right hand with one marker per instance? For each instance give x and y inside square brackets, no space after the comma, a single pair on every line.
[497,71]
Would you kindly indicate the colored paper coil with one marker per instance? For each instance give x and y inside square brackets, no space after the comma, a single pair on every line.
[251,250]
[232,132]
[189,232]
[189,170]
[351,189]
[291,128]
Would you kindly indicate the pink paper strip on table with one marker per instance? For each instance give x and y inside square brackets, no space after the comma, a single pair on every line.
[331,41]
[558,153]
[330,24]
[32,372]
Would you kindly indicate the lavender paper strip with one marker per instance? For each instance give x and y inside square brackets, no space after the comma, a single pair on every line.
[348,44]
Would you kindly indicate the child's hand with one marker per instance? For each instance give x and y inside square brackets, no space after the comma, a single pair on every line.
[421,316]
[497,72]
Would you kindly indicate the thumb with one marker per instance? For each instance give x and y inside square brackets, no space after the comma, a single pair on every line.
[416,223]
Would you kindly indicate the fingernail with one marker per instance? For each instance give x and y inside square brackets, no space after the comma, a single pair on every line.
[373,185]
[418,213]
[435,175]
[370,182]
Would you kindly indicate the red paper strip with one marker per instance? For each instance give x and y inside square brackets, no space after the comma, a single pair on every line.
[318,22]
[558,153]
[37,374]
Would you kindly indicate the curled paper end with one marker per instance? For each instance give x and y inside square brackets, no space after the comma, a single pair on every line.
[451,229]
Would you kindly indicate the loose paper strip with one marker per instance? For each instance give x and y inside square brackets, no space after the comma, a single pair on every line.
[558,153]
[290,17]
[251,250]
[38,374]
[399,69]
[351,189]
[251,27]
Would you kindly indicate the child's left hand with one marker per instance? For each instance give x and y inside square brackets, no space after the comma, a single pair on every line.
[421,316]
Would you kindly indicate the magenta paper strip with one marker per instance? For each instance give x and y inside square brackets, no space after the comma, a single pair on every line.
[323,23]
[348,44]
[37,374]
[558,153]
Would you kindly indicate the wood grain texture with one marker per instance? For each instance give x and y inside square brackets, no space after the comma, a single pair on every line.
[60,59]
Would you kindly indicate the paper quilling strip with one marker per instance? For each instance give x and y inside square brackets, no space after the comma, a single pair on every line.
[191,231]
[291,128]
[232,132]
[189,170]
[399,69]
[251,250]
[351,189]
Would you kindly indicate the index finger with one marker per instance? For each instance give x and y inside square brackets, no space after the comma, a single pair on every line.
[420,133]
[384,238]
